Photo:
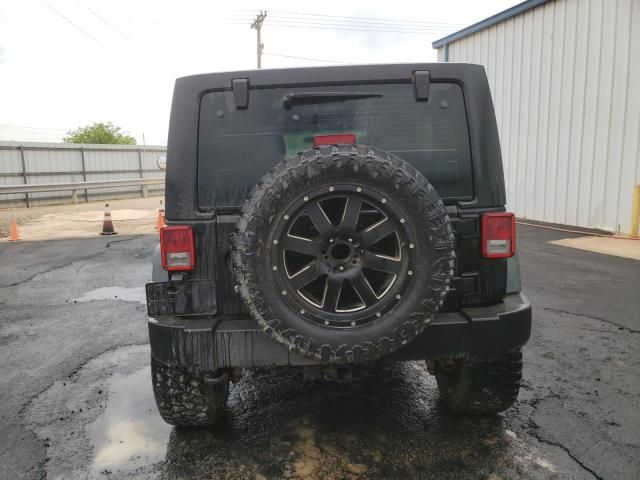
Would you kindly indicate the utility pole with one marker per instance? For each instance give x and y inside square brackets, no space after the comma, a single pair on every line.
[257,24]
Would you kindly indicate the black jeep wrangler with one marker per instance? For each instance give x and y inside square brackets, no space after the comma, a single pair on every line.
[328,217]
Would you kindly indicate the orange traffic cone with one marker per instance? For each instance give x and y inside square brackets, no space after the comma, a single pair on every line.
[14,233]
[160,217]
[107,224]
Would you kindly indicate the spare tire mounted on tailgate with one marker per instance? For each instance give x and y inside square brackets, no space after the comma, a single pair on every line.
[343,253]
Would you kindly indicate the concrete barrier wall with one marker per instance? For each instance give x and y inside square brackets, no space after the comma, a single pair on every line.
[30,163]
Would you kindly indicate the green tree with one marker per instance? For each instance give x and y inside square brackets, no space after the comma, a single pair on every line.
[99,132]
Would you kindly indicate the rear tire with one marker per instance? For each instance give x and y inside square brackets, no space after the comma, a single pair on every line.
[480,386]
[349,299]
[188,399]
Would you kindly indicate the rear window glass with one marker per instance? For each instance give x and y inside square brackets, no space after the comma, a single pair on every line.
[237,147]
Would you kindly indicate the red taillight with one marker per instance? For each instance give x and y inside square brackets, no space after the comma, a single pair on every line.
[176,248]
[320,140]
[498,235]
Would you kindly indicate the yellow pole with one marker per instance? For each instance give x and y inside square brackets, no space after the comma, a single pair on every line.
[635,212]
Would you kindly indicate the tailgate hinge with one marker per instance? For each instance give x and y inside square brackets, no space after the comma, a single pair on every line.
[240,87]
[421,80]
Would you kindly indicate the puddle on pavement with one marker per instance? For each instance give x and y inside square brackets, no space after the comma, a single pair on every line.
[129,434]
[387,423]
[133,294]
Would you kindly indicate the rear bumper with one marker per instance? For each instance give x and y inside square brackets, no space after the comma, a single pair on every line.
[209,344]
[481,330]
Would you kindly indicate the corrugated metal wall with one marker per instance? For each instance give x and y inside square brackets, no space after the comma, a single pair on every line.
[61,163]
[565,78]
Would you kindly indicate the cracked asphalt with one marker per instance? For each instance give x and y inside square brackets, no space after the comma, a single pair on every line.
[76,401]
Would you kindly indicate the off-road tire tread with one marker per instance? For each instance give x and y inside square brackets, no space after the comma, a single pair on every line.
[481,386]
[185,399]
[373,163]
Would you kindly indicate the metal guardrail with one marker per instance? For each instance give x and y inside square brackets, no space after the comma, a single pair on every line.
[54,163]
[75,186]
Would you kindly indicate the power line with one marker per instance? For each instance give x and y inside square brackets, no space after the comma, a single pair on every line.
[313,22]
[74,25]
[105,21]
[352,29]
[316,26]
[218,19]
[378,19]
[319,18]
[222,18]
[172,22]
[361,25]
[304,58]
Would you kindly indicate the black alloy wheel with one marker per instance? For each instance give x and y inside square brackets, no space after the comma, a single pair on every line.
[342,255]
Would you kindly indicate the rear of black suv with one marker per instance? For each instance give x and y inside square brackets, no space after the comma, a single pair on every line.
[328,217]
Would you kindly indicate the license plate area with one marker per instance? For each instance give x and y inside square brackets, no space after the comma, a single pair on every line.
[167,299]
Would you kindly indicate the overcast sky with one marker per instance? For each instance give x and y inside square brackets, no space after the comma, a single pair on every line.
[66,63]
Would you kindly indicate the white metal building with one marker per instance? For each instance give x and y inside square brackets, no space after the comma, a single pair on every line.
[565,78]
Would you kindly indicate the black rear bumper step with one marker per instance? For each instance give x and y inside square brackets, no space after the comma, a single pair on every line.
[215,343]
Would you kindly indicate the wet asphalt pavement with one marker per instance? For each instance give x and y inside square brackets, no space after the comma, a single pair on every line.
[76,400]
